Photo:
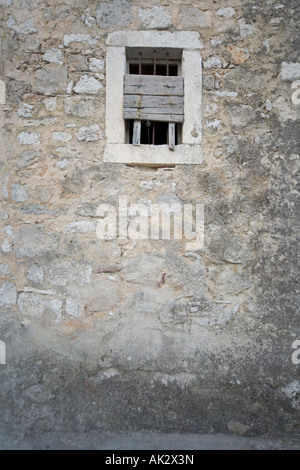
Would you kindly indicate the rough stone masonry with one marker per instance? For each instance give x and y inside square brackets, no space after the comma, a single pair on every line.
[93,339]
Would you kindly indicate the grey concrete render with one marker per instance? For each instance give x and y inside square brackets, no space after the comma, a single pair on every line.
[94,440]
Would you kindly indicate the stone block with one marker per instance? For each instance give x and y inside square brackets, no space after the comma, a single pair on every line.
[54,56]
[2,92]
[106,268]
[31,304]
[238,55]
[284,111]
[105,296]
[77,37]
[157,17]
[6,246]
[241,115]
[19,192]
[61,137]
[16,89]
[114,13]
[74,308]
[67,272]
[213,62]
[73,184]
[35,274]
[208,82]
[55,306]
[31,44]
[216,41]
[50,103]
[77,62]
[89,133]
[87,85]
[27,27]
[8,295]
[89,20]
[34,241]
[144,269]
[25,110]
[246,30]
[191,17]
[237,428]
[5,3]
[290,71]
[83,226]
[87,209]
[80,106]
[29,138]
[226,12]
[51,80]
[26,158]
[96,65]
[5,270]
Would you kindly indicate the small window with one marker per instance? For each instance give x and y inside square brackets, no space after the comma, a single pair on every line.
[153,97]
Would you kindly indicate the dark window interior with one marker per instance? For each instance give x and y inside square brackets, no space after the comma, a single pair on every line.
[153,133]
[148,69]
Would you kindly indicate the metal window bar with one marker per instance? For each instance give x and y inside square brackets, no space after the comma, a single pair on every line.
[171,125]
[137,125]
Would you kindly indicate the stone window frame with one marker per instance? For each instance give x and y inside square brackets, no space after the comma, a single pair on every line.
[190,150]
[2,82]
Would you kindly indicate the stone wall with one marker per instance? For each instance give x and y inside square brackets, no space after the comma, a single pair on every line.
[94,339]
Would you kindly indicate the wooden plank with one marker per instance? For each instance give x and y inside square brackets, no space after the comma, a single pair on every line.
[137,105]
[161,114]
[171,135]
[153,85]
[159,102]
[136,138]
[149,115]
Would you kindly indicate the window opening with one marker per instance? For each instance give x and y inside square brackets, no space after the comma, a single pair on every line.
[166,106]
[152,132]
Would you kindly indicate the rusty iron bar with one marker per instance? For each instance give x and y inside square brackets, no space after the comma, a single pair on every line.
[154,73]
[140,63]
[167,73]
[167,54]
[154,62]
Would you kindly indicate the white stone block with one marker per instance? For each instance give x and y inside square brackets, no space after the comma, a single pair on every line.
[96,65]
[290,71]
[55,56]
[77,37]
[226,12]
[61,137]
[50,104]
[90,133]
[87,85]
[2,92]
[158,17]
[8,294]
[29,138]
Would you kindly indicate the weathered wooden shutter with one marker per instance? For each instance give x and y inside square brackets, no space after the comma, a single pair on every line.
[153,98]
